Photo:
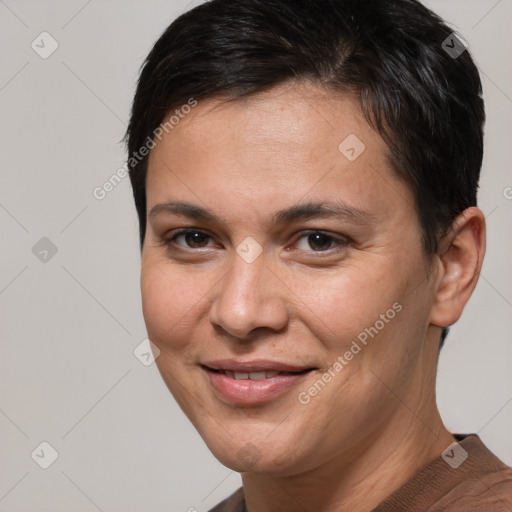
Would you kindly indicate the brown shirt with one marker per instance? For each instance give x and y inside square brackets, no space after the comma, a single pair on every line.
[467,477]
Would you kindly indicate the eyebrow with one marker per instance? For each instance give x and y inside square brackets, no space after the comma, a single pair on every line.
[305,211]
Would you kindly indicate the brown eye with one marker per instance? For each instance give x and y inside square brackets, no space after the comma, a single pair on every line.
[191,239]
[196,239]
[318,241]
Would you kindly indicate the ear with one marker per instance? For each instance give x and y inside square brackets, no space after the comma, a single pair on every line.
[459,263]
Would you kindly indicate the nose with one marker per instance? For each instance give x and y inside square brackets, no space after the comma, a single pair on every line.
[249,297]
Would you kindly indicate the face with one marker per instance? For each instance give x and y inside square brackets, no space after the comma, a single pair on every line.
[283,278]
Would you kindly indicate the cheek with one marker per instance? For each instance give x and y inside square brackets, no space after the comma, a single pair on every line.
[171,301]
[369,312]
[341,304]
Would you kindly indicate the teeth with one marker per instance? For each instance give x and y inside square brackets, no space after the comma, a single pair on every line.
[257,375]
[250,375]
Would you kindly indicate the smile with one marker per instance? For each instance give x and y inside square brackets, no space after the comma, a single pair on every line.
[252,383]
[251,375]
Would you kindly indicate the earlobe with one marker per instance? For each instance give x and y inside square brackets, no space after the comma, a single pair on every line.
[460,261]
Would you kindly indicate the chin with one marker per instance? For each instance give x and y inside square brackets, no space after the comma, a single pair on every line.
[246,454]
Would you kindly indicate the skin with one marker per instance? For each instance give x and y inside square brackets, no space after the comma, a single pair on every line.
[376,423]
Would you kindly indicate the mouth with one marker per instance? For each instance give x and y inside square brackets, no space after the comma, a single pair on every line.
[252,383]
[255,374]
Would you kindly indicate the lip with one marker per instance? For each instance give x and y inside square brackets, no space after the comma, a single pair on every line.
[252,392]
[254,366]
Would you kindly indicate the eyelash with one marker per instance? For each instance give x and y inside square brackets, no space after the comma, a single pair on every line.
[169,241]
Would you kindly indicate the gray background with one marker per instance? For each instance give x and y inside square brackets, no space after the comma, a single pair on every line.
[70,324]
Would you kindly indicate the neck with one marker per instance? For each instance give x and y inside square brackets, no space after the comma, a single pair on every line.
[361,478]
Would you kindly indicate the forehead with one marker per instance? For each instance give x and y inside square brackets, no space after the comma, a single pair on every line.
[287,144]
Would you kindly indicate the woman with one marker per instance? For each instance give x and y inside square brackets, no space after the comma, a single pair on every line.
[305,175]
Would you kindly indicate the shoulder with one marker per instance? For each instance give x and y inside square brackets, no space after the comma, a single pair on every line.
[481,493]
[466,476]
[234,503]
